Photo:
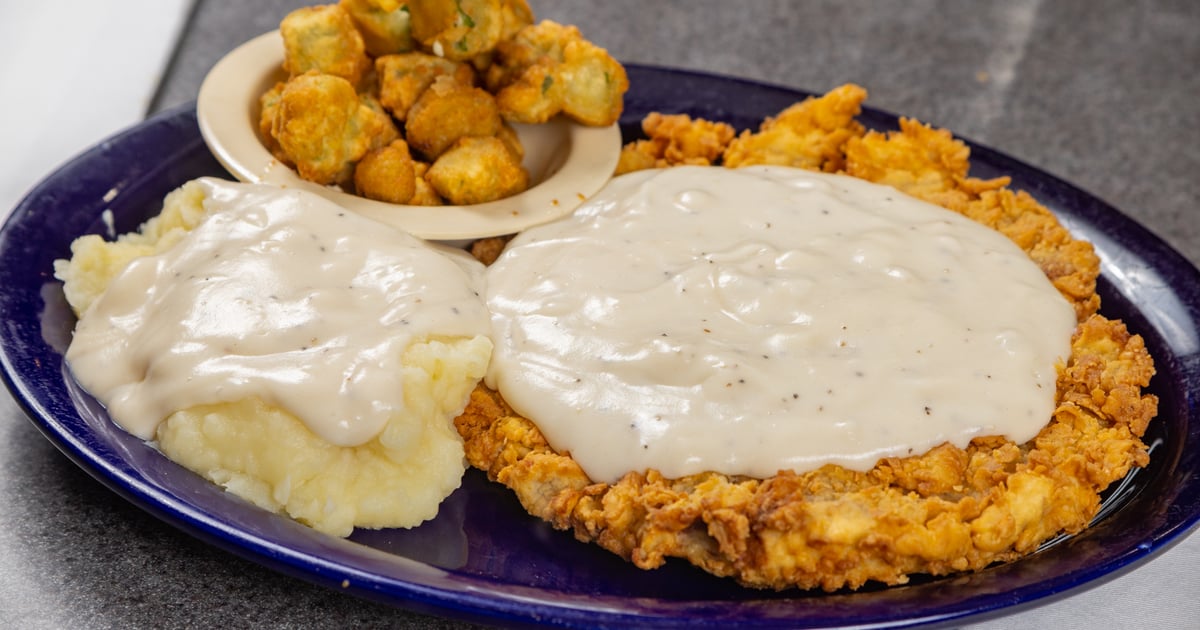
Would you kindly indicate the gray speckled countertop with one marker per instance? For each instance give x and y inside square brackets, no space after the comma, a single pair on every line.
[1100,93]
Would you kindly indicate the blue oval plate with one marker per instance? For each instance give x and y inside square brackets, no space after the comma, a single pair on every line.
[483,558]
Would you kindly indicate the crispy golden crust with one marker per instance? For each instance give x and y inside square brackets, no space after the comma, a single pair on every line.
[383,24]
[477,170]
[323,127]
[673,140]
[268,110]
[945,511]
[424,194]
[386,174]
[487,250]
[458,30]
[323,38]
[548,68]
[447,111]
[810,134]
[930,164]
[403,78]
[948,510]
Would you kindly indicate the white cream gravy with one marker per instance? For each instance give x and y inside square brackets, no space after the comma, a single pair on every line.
[281,295]
[754,320]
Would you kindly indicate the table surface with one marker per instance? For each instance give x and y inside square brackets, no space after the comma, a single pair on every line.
[1102,94]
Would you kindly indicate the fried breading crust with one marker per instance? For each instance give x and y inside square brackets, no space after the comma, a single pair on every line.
[548,68]
[403,78]
[323,38]
[383,25]
[810,134]
[447,111]
[323,127]
[423,193]
[477,170]
[931,164]
[386,174]
[673,140]
[947,510]
[821,133]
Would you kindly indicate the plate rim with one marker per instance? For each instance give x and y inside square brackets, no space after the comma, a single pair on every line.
[472,606]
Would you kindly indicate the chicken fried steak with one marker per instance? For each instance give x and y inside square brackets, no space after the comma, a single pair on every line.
[947,510]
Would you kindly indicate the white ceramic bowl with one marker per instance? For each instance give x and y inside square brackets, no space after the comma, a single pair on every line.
[567,162]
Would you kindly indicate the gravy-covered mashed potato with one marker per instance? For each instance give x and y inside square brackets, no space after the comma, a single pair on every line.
[303,357]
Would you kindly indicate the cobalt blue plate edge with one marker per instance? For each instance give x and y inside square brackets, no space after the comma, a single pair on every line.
[483,559]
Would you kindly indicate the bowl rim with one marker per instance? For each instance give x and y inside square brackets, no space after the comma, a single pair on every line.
[227,109]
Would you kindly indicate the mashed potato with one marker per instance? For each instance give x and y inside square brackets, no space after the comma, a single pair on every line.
[94,262]
[265,455]
[263,450]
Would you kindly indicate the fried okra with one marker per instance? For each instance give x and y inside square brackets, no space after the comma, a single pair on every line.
[534,98]
[549,68]
[323,38]
[418,67]
[402,78]
[324,127]
[268,108]
[477,170]
[447,111]
[515,15]
[511,140]
[383,24]
[386,174]
[423,194]
[458,30]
